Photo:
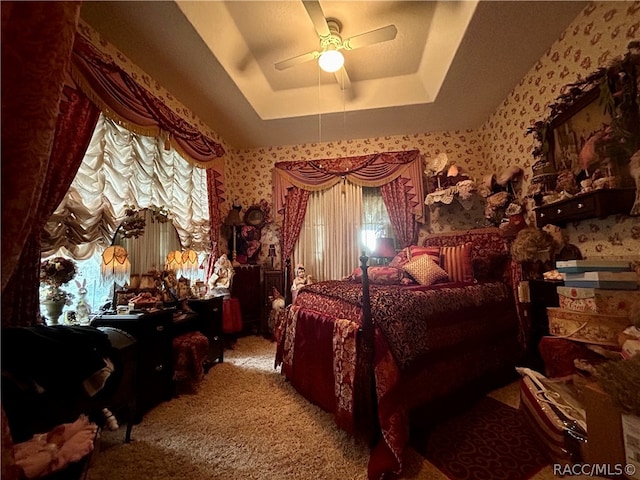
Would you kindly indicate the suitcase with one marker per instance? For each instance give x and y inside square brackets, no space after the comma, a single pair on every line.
[563,441]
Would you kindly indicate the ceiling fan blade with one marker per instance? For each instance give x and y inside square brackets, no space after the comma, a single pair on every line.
[317,17]
[343,79]
[374,36]
[305,57]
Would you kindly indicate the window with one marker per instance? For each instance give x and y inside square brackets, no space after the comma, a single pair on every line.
[339,223]
[375,218]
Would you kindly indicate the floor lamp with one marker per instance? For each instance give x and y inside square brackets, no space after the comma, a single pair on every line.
[233,220]
[115,267]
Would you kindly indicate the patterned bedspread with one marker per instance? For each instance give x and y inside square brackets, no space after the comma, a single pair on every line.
[408,316]
[428,341]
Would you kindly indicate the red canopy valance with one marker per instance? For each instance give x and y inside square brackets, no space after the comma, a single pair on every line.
[367,170]
[120,97]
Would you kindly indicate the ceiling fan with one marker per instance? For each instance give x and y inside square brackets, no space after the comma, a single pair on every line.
[331,43]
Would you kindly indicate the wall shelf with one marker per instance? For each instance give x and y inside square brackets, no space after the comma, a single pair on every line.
[595,204]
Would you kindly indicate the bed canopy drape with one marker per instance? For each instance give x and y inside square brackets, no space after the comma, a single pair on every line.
[399,174]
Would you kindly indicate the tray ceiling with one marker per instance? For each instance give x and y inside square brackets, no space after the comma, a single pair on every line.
[449,67]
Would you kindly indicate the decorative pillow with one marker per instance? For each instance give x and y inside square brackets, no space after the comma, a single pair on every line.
[414,251]
[425,270]
[456,261]
[380,274]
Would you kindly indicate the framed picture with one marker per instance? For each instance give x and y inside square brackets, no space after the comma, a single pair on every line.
[254,216]
[574,135]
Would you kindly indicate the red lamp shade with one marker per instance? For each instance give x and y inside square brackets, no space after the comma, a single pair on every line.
[385,248]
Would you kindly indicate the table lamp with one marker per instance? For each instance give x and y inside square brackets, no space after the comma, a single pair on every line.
[385,249]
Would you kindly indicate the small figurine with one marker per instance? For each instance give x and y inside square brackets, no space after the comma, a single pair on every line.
[300,280]
[222,273]
[83,310]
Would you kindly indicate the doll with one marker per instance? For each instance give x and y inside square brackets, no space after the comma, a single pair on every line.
[300,280]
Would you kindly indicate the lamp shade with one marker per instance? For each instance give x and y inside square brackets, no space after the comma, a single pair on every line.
[115,265]
[331,61]
[233,218]
[174,260]
[384,248]
[190,263]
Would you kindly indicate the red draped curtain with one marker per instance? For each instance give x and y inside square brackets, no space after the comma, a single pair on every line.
[214,186]
[400,202]
[401,172]
[45,131]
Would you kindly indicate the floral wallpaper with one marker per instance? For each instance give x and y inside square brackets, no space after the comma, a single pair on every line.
[600,33]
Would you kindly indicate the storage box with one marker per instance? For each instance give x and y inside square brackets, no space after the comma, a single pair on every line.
[586,326]
[563,441]
[604,428]
[604,280]
[597,300]
[576,266]
[631,435]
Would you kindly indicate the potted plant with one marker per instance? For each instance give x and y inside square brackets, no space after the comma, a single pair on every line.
[54,273]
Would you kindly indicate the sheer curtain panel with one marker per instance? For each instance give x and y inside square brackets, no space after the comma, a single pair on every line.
[329,244]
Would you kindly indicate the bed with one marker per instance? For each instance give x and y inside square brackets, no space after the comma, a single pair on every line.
[378,347]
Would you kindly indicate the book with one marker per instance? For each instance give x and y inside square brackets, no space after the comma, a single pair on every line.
[594,265]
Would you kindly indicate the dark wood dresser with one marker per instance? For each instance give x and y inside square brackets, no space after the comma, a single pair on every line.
[208,322]
[154,373]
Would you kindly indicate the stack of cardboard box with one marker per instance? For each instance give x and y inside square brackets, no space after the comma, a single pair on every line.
[598,305]
[597,302]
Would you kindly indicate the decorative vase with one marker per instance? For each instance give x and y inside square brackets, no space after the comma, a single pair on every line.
[54,310]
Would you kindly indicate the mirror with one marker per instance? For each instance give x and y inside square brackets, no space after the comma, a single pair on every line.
[147,243]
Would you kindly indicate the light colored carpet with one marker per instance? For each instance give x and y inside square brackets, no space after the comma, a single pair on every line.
[246,422]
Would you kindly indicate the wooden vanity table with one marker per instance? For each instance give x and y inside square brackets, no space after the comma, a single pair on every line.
[154,372]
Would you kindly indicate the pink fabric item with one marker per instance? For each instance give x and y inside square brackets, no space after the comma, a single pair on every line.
[231,316]
[130,101]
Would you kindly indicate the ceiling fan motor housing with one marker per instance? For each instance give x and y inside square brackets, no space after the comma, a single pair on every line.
[333,41]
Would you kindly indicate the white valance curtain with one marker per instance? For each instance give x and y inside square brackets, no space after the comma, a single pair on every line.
[329,244]
[122,168]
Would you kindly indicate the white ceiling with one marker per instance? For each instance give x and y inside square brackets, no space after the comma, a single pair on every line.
[449,67]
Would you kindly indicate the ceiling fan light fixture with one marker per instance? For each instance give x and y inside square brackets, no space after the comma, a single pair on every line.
[331,60]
